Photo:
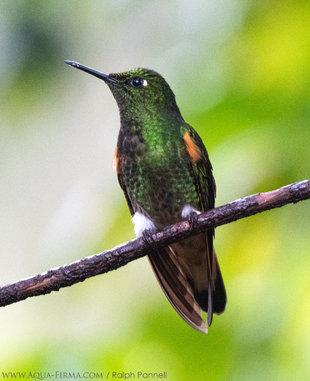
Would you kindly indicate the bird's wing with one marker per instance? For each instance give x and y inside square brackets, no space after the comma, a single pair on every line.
[200,165]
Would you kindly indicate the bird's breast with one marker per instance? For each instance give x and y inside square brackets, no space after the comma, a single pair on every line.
[157,177]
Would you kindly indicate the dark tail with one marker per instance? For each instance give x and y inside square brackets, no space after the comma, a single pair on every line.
[176,287]
[216,293]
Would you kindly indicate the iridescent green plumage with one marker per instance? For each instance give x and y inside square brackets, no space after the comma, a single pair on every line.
[165,173]
[154,164]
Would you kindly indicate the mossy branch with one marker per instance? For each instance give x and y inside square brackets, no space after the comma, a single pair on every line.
[67,275]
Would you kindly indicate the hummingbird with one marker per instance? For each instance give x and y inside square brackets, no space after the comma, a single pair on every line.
[165,173]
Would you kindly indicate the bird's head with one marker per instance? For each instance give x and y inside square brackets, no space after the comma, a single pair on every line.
[137,89]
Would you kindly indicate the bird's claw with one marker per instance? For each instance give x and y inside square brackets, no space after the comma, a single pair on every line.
[193,219]
[147,236]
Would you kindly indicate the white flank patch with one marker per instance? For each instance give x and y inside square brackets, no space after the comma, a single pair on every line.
[187,210]
[145,82]
[142,223]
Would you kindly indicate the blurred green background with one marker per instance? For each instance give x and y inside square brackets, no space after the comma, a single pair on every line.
[241,74]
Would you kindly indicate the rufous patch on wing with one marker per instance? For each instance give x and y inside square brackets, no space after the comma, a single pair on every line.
[115,160]
[192,149]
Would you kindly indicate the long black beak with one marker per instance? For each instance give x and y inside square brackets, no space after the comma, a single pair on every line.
[96,73]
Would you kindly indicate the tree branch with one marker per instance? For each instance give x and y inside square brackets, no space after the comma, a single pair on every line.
[78,271]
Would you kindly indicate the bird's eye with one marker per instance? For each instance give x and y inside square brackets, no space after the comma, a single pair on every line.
[138,82]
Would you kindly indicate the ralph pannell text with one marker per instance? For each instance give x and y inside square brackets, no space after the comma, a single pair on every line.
[137,375]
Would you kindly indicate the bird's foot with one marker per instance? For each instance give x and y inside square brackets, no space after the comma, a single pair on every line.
[191,214]
[147,236]
[193,219]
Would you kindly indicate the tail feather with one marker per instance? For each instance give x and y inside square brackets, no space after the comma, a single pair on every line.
[213,300]
[190,288]
[219,293]
[176,287]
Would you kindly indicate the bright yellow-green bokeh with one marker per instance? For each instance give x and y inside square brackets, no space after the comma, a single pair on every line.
[241,74]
